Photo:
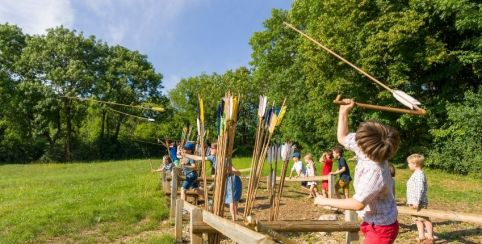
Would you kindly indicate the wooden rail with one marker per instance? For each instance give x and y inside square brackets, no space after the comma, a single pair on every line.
[439,214]
[204,222]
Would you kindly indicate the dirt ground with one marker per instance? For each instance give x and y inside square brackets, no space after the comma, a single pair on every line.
[296,206]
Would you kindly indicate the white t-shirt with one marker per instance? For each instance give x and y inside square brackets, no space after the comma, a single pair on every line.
[299,168]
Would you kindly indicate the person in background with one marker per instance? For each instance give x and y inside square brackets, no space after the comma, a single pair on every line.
[417,196]
[310,172]
[167,165]
[343,171]
[189,169]
[327,160]
[298,167]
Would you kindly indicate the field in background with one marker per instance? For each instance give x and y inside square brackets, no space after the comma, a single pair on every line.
[81,202]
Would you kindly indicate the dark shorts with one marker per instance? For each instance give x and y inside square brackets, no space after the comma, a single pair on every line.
[191,181]
[343,183]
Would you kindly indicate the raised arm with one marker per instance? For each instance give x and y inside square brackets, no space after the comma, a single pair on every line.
[194,157]
[342,131]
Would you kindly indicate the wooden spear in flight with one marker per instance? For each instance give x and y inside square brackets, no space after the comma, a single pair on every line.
[401,96]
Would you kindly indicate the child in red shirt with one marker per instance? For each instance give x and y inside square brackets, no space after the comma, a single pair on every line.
[327,161]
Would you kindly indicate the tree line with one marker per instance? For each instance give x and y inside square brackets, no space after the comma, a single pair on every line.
[40,75]
[429,49]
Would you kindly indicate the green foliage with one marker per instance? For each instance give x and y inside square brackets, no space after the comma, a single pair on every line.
[100,201]
[429,49]
[459,142]
[39,122]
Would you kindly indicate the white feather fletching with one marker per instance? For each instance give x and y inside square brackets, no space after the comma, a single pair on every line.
[406,99]
[263,103]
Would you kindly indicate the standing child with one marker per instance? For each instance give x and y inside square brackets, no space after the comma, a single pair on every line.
[343,171]
[373,144]
[417,196]
[310,172]
[298,167]
[327,160]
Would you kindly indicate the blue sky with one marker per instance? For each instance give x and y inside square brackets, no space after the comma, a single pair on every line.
[182,38]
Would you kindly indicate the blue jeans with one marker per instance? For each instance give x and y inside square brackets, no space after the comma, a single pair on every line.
[191,181]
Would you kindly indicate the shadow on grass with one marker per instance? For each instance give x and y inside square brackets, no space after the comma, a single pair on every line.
[457,235]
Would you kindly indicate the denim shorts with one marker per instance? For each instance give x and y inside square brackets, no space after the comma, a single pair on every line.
[191,181]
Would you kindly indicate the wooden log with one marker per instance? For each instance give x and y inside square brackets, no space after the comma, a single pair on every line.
[260,227]
[232,230]
[439,214]
[178,220]
[311,178]
[295,226]
[173,196]
[189,193]
[182,177]
[196,218]
[351,236]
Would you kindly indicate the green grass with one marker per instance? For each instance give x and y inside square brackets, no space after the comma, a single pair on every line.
[445,191]
[121,201]
[84,202]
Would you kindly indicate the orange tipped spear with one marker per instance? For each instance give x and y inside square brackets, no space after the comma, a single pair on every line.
[401,96]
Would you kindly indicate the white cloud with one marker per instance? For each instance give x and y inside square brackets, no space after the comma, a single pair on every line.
[35,16]
[135,21]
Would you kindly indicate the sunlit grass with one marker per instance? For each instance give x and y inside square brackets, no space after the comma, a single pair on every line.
[78,201]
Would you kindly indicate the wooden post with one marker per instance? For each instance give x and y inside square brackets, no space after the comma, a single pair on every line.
[178,221]
[351,237]
[331,186]
[173,193]
[196,218]
[268,180]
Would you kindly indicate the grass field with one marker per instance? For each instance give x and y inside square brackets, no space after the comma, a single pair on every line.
[121,201]
[81,202]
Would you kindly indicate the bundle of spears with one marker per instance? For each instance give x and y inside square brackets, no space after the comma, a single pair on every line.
[227,119]
[268,120]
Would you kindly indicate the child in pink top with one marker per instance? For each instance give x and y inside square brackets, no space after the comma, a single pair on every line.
[327,161]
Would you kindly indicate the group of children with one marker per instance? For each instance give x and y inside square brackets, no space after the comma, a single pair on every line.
[327,160]
[186,160]
[374,199]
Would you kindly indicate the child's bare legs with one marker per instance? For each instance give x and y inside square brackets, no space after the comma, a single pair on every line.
[429,228]
[323,193]
[337,189]
[233,208]
[346,190]
[421,234]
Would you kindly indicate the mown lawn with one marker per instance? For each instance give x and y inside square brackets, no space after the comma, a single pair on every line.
[81,202]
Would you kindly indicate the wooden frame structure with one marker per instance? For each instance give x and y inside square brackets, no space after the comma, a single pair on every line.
[204,222]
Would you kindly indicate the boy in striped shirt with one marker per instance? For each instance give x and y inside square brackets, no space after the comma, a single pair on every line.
[373,144]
